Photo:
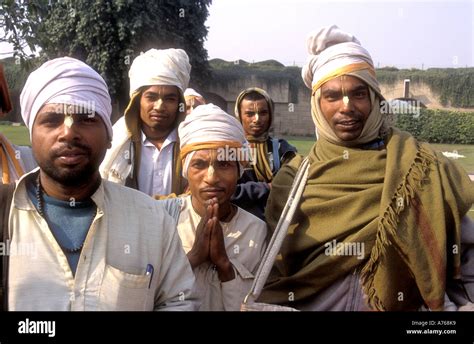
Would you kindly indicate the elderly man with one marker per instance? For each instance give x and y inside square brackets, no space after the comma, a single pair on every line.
[379,222]
[254,109]
[14,160]
[224,243]
[193,99]
[145,149]
[83,243]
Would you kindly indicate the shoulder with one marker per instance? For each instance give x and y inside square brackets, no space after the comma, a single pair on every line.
[121,132]
[26,157]
[289,169]
[251,225]
[133,198]
[250,218]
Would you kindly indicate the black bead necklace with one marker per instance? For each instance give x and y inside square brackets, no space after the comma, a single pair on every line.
[39,199]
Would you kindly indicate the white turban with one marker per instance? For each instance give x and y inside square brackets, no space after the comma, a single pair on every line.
[334,52]
[191,93]
[160,67]
[66,80]
[210,127]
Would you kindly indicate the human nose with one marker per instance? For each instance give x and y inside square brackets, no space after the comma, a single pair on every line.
[158,104]
[69,130]
[346,105]
[211,175]
[256,118]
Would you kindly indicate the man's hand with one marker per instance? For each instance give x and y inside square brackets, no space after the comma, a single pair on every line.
[200,251]
[217,252]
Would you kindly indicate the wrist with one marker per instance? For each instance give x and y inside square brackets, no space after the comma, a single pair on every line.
[194,260]
[225,271]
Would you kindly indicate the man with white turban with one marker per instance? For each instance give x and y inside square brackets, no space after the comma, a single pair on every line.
[223,242]
[145,149]
[193,99]
[379,222]
[108,246]
[14,160]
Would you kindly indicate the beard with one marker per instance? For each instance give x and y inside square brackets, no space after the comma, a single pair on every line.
[74,176]
[70,175]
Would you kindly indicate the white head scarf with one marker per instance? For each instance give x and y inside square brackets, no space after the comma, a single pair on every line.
[191,93]
[66,80]
[205,128]
[160,67]
[333,53]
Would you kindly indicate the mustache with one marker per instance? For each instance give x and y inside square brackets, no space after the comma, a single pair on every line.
[77,147]
[157,113]
[212,189]
[349,117]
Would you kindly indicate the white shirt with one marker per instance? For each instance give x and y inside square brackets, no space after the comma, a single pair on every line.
[244,239]
[155,174]
[130,235]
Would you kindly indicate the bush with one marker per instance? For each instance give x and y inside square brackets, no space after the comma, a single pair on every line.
[439,126]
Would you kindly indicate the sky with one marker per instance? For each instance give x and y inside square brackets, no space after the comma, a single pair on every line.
[404,34]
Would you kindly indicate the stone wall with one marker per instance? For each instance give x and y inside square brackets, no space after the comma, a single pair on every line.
[292,107]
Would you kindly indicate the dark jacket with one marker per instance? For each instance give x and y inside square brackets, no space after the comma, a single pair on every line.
[251,195]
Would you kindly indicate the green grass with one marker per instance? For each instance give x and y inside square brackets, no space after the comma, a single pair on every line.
[16,135]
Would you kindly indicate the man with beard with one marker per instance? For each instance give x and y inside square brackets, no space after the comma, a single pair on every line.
[382,222]
[145,149]
[92,244]
[255,110]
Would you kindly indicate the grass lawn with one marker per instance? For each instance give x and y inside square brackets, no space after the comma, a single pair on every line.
[16,135]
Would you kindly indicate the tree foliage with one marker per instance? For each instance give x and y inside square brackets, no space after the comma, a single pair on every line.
[107,34]
[453,85]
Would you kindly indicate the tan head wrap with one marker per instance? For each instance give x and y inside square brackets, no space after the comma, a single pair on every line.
[333,53]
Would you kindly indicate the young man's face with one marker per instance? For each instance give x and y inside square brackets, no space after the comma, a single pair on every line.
[159,106]
[68,154]
[255,116]
[220,182]
[347,116]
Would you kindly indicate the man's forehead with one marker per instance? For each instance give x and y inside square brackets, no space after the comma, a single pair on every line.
[81,108]
[346,81]
[204,154]
[248,102]
[169,89]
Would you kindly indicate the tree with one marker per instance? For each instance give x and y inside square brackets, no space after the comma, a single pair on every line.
[107,34]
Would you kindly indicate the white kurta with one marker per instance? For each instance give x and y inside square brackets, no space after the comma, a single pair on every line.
[130,233]
[244,238]
[155,174]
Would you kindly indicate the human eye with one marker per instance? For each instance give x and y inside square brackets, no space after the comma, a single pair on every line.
[51,119]
[199,164]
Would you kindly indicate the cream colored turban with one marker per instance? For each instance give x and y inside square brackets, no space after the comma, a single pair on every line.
[191,93]
[333,53]
[210,127]
[66,80]
[160,67]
